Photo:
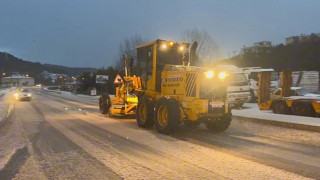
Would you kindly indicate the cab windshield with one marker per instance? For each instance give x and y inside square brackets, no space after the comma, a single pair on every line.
[238,79]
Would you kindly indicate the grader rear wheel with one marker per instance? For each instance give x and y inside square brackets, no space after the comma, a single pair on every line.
[167,115]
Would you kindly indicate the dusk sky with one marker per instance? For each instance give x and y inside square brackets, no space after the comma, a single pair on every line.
[87,33]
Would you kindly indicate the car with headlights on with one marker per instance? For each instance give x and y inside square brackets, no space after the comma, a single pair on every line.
[23,94]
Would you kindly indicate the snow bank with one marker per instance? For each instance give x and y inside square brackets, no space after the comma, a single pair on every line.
[251,110]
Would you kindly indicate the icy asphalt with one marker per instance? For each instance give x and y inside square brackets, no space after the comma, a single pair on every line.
[61,137]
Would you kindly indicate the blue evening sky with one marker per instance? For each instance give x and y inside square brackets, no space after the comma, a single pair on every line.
[87,33]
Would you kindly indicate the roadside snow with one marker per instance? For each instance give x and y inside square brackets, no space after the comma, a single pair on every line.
[69,94]
[5,108]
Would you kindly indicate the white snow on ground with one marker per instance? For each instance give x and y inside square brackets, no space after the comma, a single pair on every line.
[71,95]
[4,106]
[10,141]
[165,155]
[251,110]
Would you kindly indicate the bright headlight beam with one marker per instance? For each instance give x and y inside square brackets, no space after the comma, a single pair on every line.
[209,74]
[222,75]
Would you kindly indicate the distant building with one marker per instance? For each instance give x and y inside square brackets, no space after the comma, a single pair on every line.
[300,38]
[263,44]
[17,81]
[52,76]
[256,48]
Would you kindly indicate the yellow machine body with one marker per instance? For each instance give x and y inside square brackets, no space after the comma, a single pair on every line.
[186,84]
[126,100]
[183,83]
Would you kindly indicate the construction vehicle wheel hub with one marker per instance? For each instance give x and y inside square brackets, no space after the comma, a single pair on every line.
[143,112]
[163,116]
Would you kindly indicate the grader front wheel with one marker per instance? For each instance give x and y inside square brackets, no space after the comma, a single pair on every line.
[220,124]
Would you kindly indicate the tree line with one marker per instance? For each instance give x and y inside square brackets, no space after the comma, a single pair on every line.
[298,56]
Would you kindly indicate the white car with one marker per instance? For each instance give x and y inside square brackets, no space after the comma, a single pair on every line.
[23,94]
[297,91]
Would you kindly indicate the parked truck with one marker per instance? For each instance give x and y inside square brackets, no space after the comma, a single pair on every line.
[238,88]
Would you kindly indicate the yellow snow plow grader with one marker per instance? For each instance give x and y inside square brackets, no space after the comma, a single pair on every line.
[126,96]
[171,91]
[174,92]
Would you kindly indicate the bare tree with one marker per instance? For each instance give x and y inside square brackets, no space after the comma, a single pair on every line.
[207,50]
[128,47]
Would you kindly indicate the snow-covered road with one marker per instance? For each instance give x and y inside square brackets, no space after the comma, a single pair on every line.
[66,137]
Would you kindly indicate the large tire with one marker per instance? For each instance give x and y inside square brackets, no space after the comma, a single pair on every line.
[280,107]
[303,108]
[167,115]
[104,103]
[145,112]
[219,125]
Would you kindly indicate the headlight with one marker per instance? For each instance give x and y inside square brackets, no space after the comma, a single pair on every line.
[164,46]
[222,75]
[15,94]
[209,74]
[29,95]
